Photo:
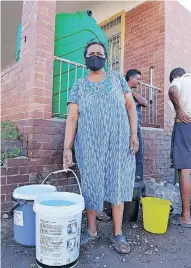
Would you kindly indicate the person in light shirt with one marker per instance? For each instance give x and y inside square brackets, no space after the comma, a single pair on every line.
[180,96]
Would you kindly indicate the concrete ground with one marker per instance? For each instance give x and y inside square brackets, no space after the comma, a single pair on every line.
[171,250]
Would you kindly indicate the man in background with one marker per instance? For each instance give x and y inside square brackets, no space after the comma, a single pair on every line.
[133,77]
[180,96]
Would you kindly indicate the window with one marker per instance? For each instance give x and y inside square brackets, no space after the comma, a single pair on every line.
[114,30]
[115,51]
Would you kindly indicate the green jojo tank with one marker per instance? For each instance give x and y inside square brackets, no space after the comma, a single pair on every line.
[72,33]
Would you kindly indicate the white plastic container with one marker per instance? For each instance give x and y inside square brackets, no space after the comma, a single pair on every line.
[58,229]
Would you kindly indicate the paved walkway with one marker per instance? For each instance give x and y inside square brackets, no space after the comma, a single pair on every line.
[172,250]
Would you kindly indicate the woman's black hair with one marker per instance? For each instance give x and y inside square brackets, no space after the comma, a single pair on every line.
[95,43]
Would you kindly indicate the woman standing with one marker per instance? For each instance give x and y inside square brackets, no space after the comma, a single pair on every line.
[102,120]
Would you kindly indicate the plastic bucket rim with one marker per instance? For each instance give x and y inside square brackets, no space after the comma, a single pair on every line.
[40,208]
[28,197]
[145,199]
[57,211]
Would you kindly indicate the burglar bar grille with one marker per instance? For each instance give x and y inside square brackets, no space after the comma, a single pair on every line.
[112,29]
[70,71]
[112,23]
[150,114]
[114,58]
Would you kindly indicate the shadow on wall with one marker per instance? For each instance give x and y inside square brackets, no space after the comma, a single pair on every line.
[13,10]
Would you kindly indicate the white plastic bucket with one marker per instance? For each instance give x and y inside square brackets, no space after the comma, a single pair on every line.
[58,229]
[24,216]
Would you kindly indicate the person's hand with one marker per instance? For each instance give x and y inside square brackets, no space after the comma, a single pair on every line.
[67,159]
[134,144]
[182,116]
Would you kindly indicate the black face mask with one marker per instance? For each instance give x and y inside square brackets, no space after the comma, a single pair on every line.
[95,63]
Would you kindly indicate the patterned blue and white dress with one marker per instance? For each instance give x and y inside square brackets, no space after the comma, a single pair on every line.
[106,165]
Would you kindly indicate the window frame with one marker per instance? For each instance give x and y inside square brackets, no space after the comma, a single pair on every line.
[122,15]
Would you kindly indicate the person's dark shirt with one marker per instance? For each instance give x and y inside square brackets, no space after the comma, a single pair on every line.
[139,113]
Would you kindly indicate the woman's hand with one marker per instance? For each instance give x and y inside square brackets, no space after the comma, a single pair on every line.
[67,159]
[134,144]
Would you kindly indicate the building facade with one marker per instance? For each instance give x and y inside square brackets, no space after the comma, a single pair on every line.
[152,36]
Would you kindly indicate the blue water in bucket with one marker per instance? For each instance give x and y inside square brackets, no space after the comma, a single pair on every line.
[57,203]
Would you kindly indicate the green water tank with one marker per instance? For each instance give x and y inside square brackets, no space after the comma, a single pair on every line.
[72,34]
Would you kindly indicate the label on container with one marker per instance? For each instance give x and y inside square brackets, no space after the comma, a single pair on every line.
[18,218]
[57,240]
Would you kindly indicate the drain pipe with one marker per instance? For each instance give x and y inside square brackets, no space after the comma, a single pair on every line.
[151,83]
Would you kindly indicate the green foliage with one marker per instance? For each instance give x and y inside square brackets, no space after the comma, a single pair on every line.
[10,154]
[9,131]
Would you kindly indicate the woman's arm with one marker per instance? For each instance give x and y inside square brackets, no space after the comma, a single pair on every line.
[71,125]
[132,113]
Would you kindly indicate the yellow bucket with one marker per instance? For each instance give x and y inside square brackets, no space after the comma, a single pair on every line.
[155,214]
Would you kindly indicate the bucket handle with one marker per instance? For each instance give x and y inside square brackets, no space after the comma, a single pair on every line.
[10,213]
[64,170]
[171,209]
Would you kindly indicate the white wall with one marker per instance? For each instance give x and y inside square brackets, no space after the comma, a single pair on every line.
[102,10]
[11,12]
[107,9]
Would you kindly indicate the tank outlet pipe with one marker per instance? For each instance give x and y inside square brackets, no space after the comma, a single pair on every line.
[89,12]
